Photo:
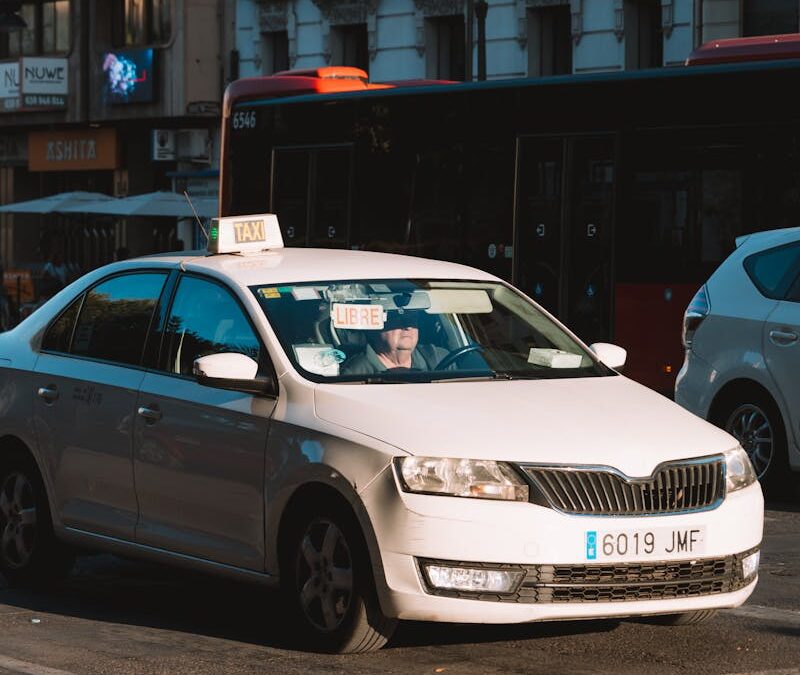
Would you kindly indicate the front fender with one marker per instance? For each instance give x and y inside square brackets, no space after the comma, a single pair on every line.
[297,457]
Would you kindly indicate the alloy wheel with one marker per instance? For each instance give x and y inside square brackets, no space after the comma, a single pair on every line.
[751,427]
[17,520]
[324,574]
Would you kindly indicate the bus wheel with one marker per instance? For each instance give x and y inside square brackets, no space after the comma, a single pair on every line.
[329,588]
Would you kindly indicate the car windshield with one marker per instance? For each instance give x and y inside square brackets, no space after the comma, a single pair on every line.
[410,330]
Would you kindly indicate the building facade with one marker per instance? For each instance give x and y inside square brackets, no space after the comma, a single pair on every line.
[119,97]
[413,39]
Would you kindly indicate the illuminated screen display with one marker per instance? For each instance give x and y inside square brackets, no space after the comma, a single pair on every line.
[128,76]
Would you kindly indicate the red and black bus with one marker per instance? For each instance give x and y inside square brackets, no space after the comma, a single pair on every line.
[608,198]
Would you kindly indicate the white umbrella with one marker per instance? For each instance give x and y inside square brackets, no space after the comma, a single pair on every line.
[64,201]
[168,204]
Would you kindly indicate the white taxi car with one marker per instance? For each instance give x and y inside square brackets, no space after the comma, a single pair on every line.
[386,437]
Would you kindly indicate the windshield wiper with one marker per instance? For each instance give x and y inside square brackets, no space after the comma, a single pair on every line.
[455,377]
[390,380]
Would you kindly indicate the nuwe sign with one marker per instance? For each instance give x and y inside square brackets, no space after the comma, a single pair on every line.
[44,83]
[34,82]
[9,86]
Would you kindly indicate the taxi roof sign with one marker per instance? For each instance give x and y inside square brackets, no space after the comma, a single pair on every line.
[244,234]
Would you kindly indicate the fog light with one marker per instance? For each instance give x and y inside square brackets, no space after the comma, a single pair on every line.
[471,579]
[750,565]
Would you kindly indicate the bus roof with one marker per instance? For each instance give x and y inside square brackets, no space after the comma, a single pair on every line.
[269,90]
[311,81]
[738,50]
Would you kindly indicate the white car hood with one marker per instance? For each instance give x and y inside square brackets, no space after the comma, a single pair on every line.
[604,420]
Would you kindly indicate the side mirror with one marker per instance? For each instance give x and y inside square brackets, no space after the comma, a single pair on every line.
[235,372]
[610,355]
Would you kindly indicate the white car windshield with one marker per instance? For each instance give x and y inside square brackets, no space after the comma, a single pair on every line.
[411,330]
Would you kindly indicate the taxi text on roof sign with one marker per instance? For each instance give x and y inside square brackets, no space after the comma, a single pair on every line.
[244,234]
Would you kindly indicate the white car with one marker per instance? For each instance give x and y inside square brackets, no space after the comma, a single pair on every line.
[385,437]
[741,334]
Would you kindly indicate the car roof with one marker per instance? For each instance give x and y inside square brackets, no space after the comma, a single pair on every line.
[294,264]
[768,238]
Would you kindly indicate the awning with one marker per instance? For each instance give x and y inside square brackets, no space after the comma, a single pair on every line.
[155,204]
[57,203]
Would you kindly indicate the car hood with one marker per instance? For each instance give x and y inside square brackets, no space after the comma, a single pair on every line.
[605,421]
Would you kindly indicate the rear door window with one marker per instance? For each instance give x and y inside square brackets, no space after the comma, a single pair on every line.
[116,316]
[59,333]
[773,271]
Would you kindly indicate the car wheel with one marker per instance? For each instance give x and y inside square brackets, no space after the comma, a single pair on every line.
[29,551]
[756,423]
[329,587]
[685,618]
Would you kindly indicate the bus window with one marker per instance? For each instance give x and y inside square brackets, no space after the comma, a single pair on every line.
[331,197]
[538,221]
[311,195]
[290,194]
[590,209]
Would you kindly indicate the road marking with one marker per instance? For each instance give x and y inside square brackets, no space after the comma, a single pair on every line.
[781,671]
[789,616]
[7,663]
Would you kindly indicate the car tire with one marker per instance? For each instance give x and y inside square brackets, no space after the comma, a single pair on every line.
[685,618]
[328,585]
[30,554]
[755,421]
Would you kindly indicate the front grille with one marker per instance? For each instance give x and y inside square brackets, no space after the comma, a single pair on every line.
[689,485]
[614,582]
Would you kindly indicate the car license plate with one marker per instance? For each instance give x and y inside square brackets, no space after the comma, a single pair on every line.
[657,543]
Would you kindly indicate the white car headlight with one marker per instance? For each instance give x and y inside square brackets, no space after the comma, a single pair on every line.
[739,471]
[481,478]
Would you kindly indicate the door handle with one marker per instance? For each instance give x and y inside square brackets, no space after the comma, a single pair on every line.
[783,338]
[48,393]
[151,415]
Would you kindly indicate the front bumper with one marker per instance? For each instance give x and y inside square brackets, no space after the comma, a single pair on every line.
[410,528]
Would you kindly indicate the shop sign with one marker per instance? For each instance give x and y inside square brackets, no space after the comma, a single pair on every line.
[81,150]
[164,145]
[9,86]
[45,82]
[13,150]
[212,108]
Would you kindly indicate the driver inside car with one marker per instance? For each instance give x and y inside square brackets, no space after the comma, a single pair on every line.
[394,346]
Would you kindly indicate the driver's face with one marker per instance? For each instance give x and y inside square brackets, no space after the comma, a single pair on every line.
[400,339]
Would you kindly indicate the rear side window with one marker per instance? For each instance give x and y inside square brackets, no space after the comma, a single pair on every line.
[774,270]
[59,334]
[116,316]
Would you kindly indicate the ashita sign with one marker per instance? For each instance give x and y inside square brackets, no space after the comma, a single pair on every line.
[44,82]
[73,150]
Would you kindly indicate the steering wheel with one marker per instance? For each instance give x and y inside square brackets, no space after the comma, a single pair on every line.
[456,354]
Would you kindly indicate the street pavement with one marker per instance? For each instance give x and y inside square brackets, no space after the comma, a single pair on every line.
[119,616]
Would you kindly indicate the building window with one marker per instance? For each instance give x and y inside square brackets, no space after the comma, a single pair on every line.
[275,52]
[141,22]
[769,17]
[549,41]
[445,47]
[47,31]
[349,46]
[644,46]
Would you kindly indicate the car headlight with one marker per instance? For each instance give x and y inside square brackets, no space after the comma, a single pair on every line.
[480,478]
[739,471]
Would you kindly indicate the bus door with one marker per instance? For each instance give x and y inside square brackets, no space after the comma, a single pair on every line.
[563,223]
[311,194]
